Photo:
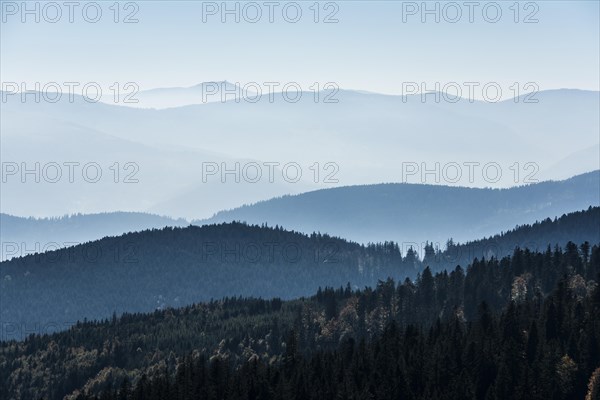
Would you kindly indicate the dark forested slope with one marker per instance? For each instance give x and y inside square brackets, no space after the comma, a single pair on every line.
[21,236]
[446,341]
[153,269]
[144,271]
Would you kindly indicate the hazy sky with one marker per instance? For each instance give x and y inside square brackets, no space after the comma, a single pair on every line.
[369,48]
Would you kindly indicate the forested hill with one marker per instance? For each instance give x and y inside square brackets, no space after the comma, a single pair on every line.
[441,331]
[153,269]
[143,271]
[21,236]
[418,212]
[578,227]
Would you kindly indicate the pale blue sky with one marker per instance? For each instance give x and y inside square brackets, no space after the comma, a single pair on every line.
[370,48]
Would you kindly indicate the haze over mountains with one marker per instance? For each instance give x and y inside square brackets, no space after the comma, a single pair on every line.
[202,93]
[365,136]
[22,236]
[84,170]
[410,214]
[306,201]
[143,271]
[414,213]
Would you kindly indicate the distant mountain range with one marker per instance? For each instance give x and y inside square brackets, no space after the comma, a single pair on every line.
[158,268]
[22,236]
[414,213]
[410,214]
[202,93]
[368,138]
